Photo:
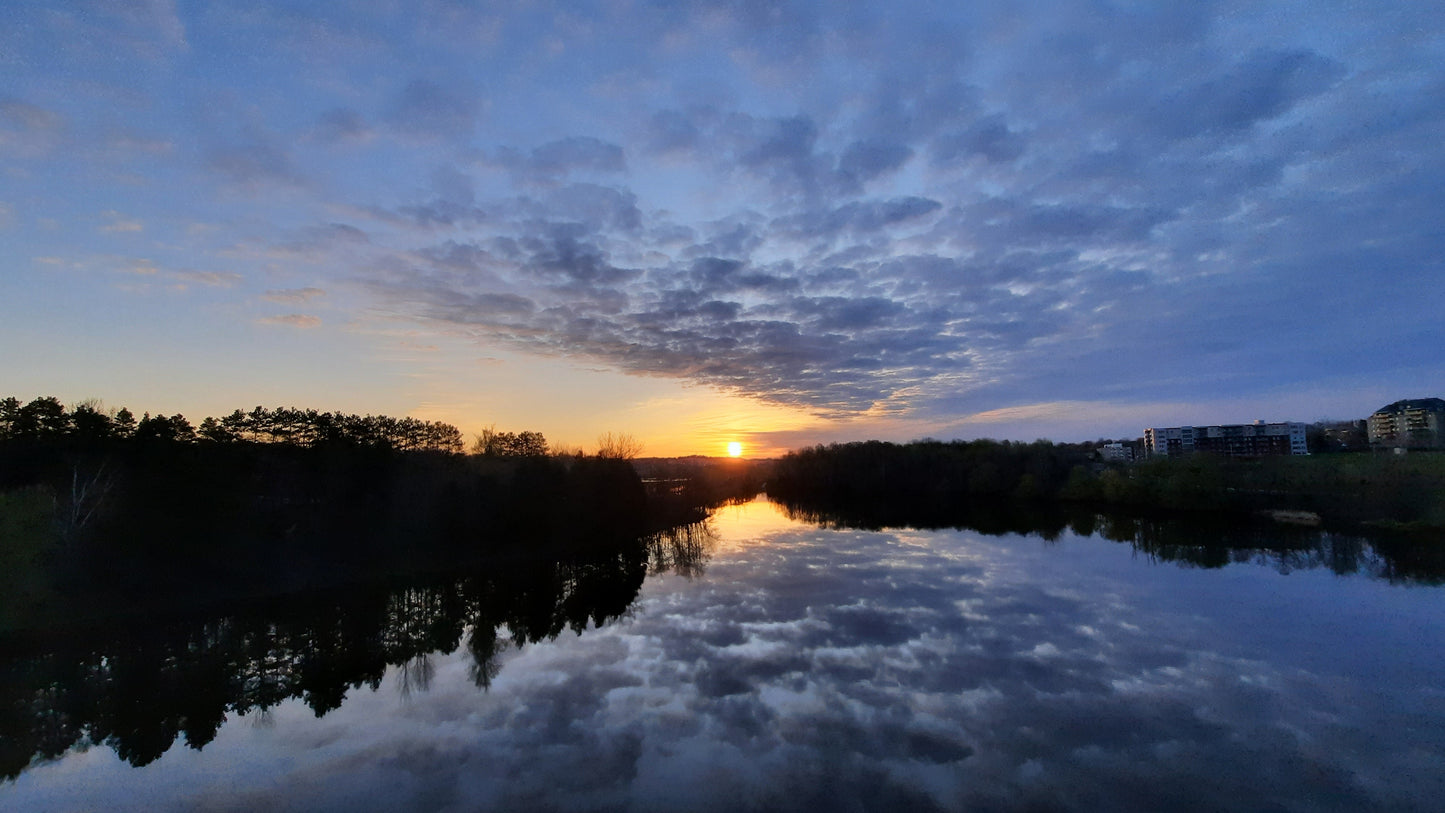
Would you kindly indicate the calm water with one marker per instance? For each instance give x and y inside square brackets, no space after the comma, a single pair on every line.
[766,663]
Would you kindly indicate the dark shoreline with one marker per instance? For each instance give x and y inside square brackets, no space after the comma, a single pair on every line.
[1355,492]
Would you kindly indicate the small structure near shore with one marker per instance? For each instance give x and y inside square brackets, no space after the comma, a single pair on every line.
[1307,518]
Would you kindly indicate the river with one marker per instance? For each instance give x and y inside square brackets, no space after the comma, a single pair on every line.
[760,661]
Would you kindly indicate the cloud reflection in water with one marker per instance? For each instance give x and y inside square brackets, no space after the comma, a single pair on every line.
[826,669]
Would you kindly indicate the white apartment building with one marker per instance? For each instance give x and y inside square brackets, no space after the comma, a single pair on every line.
[1258,439]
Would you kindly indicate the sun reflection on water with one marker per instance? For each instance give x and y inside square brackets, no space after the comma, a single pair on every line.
[739,526]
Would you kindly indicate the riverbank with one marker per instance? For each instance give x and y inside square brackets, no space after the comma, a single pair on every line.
[1401,493]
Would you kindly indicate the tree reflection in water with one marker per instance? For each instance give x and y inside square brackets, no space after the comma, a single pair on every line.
[1201,540]
[138,689]
[682,550]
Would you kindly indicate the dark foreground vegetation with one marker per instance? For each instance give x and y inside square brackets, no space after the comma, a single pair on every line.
[101,512]
[1402,493]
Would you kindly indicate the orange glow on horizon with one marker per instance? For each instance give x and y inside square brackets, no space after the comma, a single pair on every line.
[669,418]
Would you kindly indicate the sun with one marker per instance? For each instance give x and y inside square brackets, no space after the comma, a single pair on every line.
[735,449]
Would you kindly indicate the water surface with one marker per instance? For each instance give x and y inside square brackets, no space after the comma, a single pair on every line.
[769,663]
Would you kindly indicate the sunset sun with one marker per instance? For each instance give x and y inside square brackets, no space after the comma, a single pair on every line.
[735,449]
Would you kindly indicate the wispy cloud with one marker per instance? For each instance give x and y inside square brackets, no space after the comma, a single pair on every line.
[256,163]
[296,320]
[28,130]
[343,125]
[117,222]
[429,110]
[293,295]
[216,279]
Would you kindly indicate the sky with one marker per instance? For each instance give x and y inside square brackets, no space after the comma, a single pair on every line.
[779,224]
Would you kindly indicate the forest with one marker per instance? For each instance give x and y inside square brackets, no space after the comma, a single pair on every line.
[150,512]
[1380,491]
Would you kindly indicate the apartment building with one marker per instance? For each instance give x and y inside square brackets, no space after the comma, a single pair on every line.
[1413,423]
[1116,452]
[1258,439]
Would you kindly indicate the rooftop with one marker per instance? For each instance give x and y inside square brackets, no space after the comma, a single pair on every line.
[1431,404]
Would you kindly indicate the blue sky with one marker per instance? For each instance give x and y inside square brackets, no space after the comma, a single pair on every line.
[780,223]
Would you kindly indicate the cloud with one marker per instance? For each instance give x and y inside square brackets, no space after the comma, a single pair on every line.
[938,213]
[986,290]
[24,116]
[151,30]
[256,163]
[791,346]
[343,126]
[1265,85]
[549,163]
[177,279]
[781,151]
[141,267]
[293,295]
[322,239]
[214,279]
[429,110]
[577,153]
[860,216]
[296,320]
[435,214]
[869,333]
[131,144]
[672,131]
[28,130]
[866,160]
[597,208]
[784,152]
[120,223]
[989,137]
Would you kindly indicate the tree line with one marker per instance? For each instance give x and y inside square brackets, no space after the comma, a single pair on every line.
[47,419]
[1403,493]
[873,470]
[97,501]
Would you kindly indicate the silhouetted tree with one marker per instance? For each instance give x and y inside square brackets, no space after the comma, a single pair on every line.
[491,443]
[618,446]
[163,429]
[43,417]
[124,423]
[9,417]
[91,426]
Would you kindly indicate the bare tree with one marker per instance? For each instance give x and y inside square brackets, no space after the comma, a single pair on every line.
[618,446]
[88,492]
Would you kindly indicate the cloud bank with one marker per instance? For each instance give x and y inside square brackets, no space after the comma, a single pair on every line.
[907,210]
